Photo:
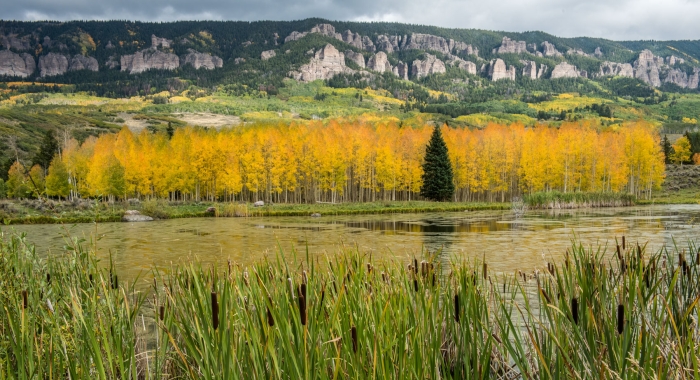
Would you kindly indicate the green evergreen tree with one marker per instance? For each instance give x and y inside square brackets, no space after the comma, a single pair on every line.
[48,149]
[668,150]
[437,170]
[170,130]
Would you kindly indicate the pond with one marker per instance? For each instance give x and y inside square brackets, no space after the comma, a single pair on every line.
[508,243]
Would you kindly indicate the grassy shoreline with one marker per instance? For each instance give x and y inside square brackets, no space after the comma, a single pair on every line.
[27,212]
[627,315]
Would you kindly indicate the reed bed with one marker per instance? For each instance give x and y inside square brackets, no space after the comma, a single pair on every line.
[625,314]
[559,200]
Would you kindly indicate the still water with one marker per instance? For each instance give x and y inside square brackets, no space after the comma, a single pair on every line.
[508,243]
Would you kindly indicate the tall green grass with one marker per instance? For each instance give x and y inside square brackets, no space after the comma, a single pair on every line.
[559,200]
[622,314]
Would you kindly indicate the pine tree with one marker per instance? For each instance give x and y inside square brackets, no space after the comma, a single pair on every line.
[170,130]
[48,149]
[437,170]
[666,146]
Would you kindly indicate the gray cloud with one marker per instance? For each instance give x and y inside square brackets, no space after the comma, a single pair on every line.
[613,19]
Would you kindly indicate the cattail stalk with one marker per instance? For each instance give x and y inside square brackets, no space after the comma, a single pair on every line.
[24,299]
[457,308]
[161,312]
[353,334]
[485,270]
[574,309]
[302,310]
[214,311]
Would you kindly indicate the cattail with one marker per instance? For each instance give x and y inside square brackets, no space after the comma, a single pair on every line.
[270,320]
[353,334]
[504,287]
[90,278]
[369,287]
[369,268]
[229,267]
[245,277]
[546,296]
[697,257]
[415,265]
[574,309]
[619,254]
[161,312]
[323,294]
[291,286]
[385,278]
[457,308]
[48,278]
[24,299]
[620,318]
[214,311]
[302,290]
[484,270]
[415,284]
[433,279]
[304,278]
[623,243]
[115,284]
[302,310]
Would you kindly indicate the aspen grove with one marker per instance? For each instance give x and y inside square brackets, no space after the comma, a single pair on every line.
[362,160]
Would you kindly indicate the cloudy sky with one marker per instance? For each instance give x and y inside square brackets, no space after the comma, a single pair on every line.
[613,19]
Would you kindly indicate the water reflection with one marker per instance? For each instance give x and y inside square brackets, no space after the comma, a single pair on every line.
[507,243]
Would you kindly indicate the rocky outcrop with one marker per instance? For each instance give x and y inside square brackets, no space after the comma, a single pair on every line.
[13,64]
[646,68]
[267,54]
[598,53]
[529,69]
[577,52]
[358,58]
[149,59]
[294,36]
[379,62]
[672,60]
[80,62]
[388,44]
[682,79]
[427,66]
[358,41]
[112,62]
[53,64]
[549,50]
[469,67]
[109,45]
[510,46]
[542,71]
[421,41]
[567,70]
[162,42]
[401,70]
[464,48]
[239,60]
[201,60]
[616,69]
[13,41]
[326,63]
[498,70]
[135,216]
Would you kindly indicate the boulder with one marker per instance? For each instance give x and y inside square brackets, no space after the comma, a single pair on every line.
[267,54]
[565,70]
[549,50]
[358,58]
[259,204]
[430,65]
[379,62]
[210,210]
[201,60]
[498,70]
[13,64]
[135,216]
[511,46]
[615,69]
[53,64]
[149,59]
[326,63]
[315,215]
[80,62]
[647,67]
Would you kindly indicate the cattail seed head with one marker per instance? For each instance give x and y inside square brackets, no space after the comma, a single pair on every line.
[48,278]
[623,243]
[385,278]
[302,310]
[161,312]
[25,302]
[620,318]
[574,309]
[214,311]
[302,290]
[369,268]
[304,278]
[415,284]
[484,270]
[457,308]
[115,285]
[270,320]
[415,265]
[353,334]
[291,286]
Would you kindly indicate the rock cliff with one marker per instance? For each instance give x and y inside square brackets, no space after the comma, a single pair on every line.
[79,62]
[682,79]
[53,64]
[162,42]
[354,39]
[529,69]
[616,69]
[549,50]
[326,63]
[148,59]
[498,70]
[401,70]
[430,65]
[566,70]
[201,60]
[388,44]
[358,58]
[646,68]
[15,42]
[510,46]
[13,64]
[542,71]
[379,62]
[468,66]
